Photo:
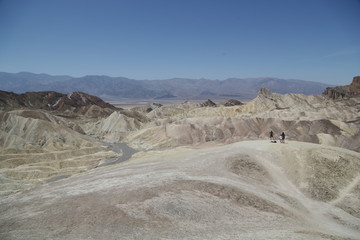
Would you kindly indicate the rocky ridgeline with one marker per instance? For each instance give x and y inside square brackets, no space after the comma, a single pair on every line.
[75,102]
[226,103]
[231,102]
[208,103]
[339,92]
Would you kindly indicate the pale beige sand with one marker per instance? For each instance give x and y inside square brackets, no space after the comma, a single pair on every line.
[244,190]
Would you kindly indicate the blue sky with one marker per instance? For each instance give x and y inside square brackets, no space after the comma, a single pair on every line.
[315,40]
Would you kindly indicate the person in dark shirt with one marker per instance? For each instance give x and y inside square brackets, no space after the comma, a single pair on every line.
[283,137]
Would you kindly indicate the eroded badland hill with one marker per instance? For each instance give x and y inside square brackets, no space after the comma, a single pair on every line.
[74,168]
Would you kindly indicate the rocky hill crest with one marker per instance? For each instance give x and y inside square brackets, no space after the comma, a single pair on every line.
[339,92]
[74,102]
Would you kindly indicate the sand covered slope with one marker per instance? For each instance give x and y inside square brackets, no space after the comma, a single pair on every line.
[244,190]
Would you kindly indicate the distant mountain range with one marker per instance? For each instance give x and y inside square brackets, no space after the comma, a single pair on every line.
[177,88]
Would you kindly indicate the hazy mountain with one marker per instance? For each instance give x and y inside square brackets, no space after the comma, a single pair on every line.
[25,81]
[180,88]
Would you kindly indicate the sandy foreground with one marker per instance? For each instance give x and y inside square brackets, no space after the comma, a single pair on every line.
[244,190]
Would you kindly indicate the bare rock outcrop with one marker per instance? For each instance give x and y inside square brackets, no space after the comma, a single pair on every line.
[147,108]
[78,100]
[347,91]
[72,103]
[231,102]
[208,103]
[37,100]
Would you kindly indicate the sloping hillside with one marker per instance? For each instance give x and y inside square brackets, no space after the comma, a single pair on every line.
[36,145]
[245,190]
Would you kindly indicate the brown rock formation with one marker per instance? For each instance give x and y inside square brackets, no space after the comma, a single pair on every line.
[208,103]
[356,82]
[76,102]
[352,90]
[231,102]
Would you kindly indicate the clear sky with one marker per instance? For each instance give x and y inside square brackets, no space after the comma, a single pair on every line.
[315,40]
